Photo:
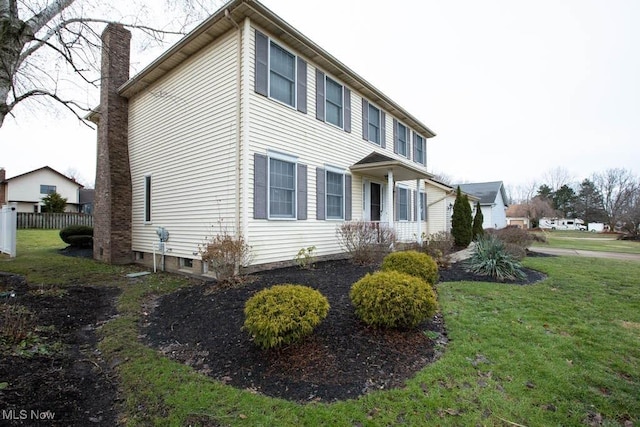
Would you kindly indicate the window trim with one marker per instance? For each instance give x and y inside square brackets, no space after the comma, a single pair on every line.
[337,171]
[326,102]
[295,74]
[423,145]
[379,127]
[406,191]
[406,139]
[283,157]
[48,187]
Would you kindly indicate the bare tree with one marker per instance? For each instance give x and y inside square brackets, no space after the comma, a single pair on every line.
[50,48]
[522,193]
[555,178]
[617,187]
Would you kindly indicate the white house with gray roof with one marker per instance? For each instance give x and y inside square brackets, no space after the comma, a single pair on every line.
[493,201]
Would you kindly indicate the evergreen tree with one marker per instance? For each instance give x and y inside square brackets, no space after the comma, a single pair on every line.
[478,231]
[461,221]
[564,201]
[54,203]
[589,206]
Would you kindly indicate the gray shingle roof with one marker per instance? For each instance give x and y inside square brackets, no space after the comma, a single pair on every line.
[486,191]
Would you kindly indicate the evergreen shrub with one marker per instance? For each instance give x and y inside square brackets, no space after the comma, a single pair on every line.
[413,263]
[391,299]
[77,235]
[284,314]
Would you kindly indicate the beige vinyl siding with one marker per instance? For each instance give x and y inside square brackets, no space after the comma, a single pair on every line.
[182,133]
[275,126]
[437,209]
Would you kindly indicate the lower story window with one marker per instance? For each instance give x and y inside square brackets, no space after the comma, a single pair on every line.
[403,204]
[335,195]
[282,188]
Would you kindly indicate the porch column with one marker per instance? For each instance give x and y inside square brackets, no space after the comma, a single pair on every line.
[418,209]
[390,204]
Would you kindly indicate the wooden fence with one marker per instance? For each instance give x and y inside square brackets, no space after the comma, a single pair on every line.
[55,221]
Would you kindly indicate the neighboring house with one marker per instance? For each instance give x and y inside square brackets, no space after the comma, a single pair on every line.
[249,127]
[517,216]
[28,189]
[440,200]
[493,202]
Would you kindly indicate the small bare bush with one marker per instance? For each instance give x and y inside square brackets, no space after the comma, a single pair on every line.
[16,323]
[366,242]
[226,254]
[513,235]
[439,246]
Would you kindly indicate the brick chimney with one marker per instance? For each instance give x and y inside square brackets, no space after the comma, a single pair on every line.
[112,205]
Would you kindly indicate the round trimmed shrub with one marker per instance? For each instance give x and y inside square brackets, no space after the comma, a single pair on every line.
[413,263]
[284,314]
[393,300]
[77,235]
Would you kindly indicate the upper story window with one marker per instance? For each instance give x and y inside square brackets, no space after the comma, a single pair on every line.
[420,155]
[402,140]
[373,124]
[282,75]
[279,74]
[335,195]
[333,102]
[47,189]
[282,188]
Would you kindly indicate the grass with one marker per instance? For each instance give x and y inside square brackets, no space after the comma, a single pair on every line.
[581,240]
[562,352]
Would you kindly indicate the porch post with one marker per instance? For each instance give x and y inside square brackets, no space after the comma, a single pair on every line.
[418,209]
[390,204]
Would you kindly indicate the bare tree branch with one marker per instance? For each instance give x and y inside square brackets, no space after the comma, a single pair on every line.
[69,104]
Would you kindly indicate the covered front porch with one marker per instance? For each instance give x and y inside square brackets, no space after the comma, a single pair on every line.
[393,194]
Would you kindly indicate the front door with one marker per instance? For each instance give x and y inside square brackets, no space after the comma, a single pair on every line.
[376,205]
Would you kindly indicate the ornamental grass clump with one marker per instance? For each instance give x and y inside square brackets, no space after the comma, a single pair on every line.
[413,263]
[391,299]
[490,257]
[284,314]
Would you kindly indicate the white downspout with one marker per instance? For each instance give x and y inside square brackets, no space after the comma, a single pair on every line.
[238,118]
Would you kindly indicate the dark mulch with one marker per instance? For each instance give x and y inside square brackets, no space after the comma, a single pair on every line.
[202,327]
[61,374]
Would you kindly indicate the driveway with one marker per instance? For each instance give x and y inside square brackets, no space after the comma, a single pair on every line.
[593,254]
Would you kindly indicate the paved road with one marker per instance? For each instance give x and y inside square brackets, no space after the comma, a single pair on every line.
[593,254]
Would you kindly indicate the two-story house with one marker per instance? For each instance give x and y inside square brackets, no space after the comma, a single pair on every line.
[28,189]
[247,125]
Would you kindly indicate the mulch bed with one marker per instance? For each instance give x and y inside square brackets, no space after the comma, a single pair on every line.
[61,378]
[202,327]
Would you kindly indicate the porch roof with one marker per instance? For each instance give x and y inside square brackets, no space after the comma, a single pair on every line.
[378,165]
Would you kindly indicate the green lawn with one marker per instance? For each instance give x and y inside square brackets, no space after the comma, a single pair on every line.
[582,240]
[565,351]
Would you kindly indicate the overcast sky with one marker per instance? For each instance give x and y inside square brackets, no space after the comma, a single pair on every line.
[512,88]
